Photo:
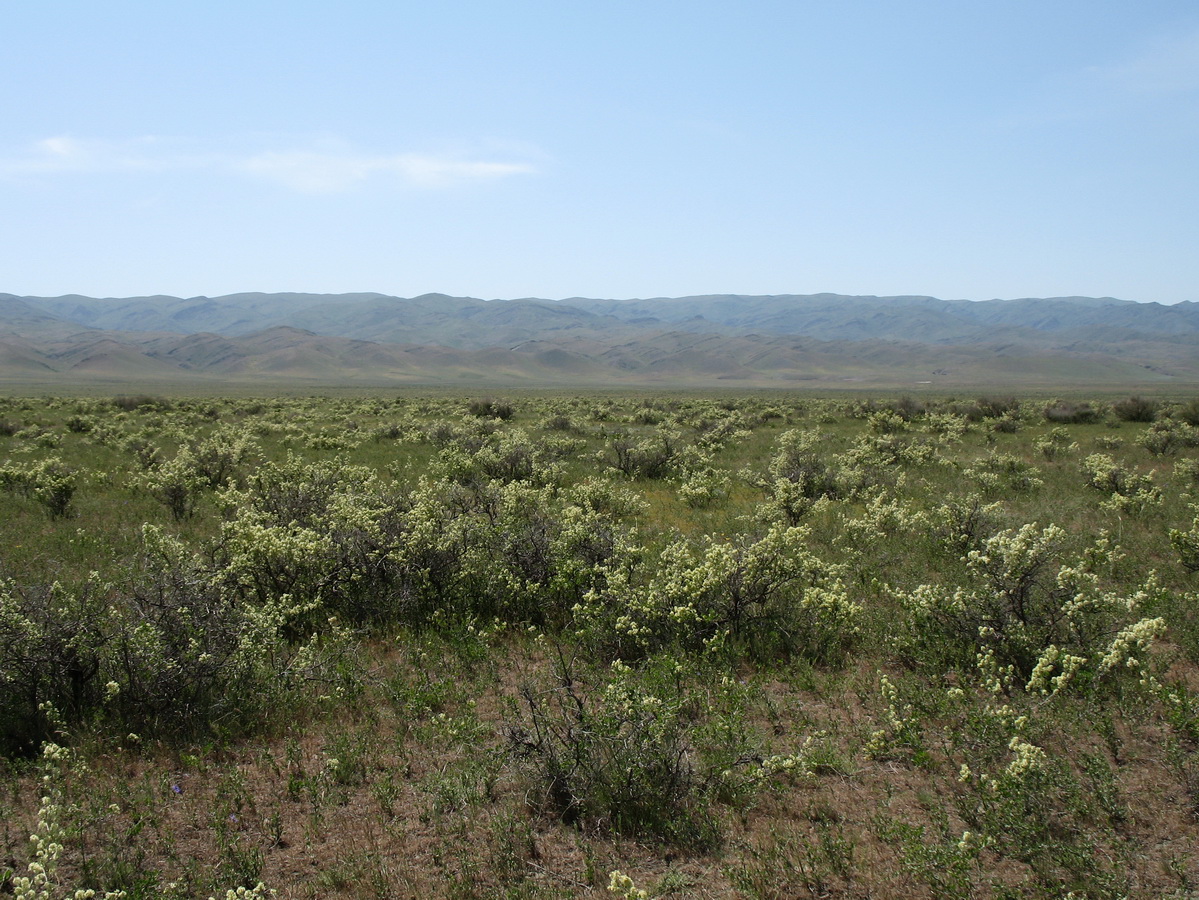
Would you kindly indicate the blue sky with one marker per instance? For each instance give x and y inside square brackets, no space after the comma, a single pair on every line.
[608,149]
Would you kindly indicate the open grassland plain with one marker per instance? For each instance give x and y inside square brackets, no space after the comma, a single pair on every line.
[635,645]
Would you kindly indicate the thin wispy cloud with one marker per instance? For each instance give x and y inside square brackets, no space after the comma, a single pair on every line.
[54,155]
[329,168]
[318,172]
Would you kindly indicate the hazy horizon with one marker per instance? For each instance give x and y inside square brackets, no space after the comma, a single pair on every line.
[580,297]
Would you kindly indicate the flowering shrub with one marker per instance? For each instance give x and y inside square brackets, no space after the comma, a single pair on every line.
[963,523]
[948,426]
[551,553]
[1046,618]
[1054,444]
[771,596]
[1104,474]
[700,484]
[1002,473]
[48,481]
[176,484]
[504,456]
[650,458]
[1167,437]
[42,882]
[1130,492]
[1186,544]
[798,478]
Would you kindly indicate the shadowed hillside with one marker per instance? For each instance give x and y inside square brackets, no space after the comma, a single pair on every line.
[369,338]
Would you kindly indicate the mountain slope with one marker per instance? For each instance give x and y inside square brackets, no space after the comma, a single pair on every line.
[709,339]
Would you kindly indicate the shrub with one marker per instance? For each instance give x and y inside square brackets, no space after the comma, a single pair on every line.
[1055,443]
[768,597]
[1135,409]
[49,481]
[137,402]
[798,476]
[1064,412]
[625,750]
[80,424]
[989,408]
[1002,473]
[1188,412]
[1044,617]
[491,409]
[617,756]
[51,643]
[176,484]
[964,523]
[219,457]
[185,654]
[703,487]
[1104,474]
[1166,437]
[544,554]
[652,458]
[1186,545]
[559,422]
[1007,424]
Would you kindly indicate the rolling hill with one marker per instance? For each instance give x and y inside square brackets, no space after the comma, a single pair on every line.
[777,340]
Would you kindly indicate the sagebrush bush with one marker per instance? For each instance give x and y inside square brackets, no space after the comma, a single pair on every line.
[139,402]
[52,642]
[1035,610]
[1186,545]
[1188,412]
[770,596]
[1136,409]
[491,409]
[1065,412]
[987,408]
[48,481]
[651,458]
[1166,437]
[638,752]
[617,755]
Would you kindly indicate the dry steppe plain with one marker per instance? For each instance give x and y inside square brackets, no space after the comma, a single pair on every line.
[722,644]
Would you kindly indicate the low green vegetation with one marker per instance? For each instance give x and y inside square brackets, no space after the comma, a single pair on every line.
[546,646]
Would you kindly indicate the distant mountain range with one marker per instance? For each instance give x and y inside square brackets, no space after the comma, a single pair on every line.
[721,339]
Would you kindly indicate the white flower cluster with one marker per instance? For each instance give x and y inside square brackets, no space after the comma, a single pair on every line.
[1186,543]
[1129,646]
[259,892]
[622,884]
[1054,670]
[46,841]
[1128,491]
[1054,444]
[1027,759]
[902,724]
